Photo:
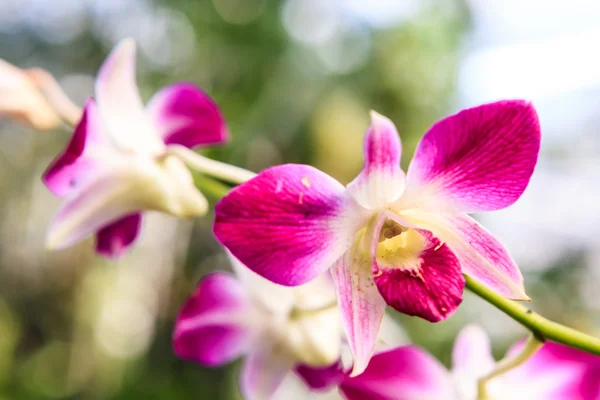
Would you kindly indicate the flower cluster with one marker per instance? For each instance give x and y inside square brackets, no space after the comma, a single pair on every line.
[316,262]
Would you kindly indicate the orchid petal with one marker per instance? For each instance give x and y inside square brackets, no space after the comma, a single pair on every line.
[381,181]
[263,371]
[321,378]
[185,115]
[114,239]
[471,359]
[76,163]
[289,224]
[20,98]
[555,372]
[480,159]
[120,104]
[427,284]
[481,255]
[405,373]
[125,188]
[361,306]
[212,327]
[315,336]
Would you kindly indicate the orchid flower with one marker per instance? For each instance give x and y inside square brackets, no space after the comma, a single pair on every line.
[389,237]
[124,158]
[33,97]
[275,327]
[555,372]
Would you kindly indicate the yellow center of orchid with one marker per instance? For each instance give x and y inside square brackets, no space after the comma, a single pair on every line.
[399,247]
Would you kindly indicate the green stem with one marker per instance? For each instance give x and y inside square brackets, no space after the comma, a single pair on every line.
[212,188]
[538,325]
[533,344]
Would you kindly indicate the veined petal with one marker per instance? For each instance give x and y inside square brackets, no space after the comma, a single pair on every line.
[263,371]
[213,326]
[185,115]
[381,181]
[481,255]
[120,104]
[405,373]
[361,305]
[289,224]
[77,162]
[128,187]
[479,159]
[114,239]
[423,278]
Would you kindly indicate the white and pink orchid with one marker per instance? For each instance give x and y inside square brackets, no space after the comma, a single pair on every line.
[274,327]
[118,161]
[389,237]
[555,372]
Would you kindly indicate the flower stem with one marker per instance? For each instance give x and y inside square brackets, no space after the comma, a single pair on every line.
[226,172]
[533,344]
[539,326]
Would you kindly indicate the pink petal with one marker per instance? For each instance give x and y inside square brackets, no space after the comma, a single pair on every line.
[381,181]
[472,353]
[404,373]
[74,165]
[321,378]
[263,371]
[481,255]
[114,239]
[208,329]
[361,306]
[556,372]
[120,104]
[288,224]
[429,286]
[185,115]
[479,159]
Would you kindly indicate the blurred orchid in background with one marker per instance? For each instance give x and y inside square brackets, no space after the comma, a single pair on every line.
[34,98]
[556,372]
[404,240]
[118,164]
[275,327]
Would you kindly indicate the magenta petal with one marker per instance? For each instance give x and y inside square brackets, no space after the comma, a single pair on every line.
[72,166]
[431,288]
[210,328]
[114,239]
[288,224]
[381,181]
[557,372]
[263,371]
[185,115]
[321,378]
[472,353]
[361,306]
[404,373]
[481,158]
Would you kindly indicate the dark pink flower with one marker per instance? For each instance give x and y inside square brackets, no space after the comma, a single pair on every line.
[116,164]
[391,238]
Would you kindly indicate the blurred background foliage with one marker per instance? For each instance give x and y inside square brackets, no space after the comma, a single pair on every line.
[295,80]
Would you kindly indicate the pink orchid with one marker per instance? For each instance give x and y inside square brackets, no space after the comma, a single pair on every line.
[274,327]
[404,240]
[118,162]
[555,372]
